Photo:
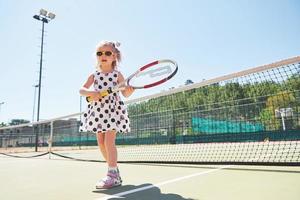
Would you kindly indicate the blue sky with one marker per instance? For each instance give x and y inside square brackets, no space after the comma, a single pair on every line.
[206,38]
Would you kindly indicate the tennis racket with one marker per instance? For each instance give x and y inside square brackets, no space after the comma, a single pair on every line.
[147,76]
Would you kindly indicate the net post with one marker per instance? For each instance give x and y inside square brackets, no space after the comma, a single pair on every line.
[36,137]
[50,139]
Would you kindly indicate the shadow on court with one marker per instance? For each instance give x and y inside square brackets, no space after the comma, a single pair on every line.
[147,194]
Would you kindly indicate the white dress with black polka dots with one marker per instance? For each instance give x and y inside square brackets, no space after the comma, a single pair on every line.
[110,112]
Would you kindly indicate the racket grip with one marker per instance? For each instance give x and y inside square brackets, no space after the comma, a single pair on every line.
[103,94]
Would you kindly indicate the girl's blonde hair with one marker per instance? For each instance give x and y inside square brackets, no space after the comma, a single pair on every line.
[115,50]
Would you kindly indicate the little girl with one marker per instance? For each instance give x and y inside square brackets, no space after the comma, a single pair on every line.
[106,116]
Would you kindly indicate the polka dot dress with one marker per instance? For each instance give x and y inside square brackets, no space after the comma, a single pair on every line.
[109,113]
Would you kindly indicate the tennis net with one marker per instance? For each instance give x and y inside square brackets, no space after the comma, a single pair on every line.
[248,117]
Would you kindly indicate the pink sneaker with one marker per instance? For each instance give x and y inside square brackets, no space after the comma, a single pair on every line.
[111,180]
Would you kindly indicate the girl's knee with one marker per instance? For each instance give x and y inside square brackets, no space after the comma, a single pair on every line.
[101,139]
[101,144]
[110,138]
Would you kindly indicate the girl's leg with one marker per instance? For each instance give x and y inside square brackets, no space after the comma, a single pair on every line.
[101,144]
[113,178]
[111,150]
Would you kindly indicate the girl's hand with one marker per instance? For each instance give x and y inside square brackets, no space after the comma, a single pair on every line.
[128,91]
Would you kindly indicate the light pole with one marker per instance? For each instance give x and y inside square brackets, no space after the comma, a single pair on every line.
[44,17]
[34,98]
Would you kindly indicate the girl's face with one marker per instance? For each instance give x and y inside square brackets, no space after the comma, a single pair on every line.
[105,57]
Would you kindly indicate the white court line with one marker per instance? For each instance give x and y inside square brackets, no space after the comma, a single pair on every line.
[119,195]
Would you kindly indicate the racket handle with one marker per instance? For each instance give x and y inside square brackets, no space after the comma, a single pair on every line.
[105,93]
[102,94]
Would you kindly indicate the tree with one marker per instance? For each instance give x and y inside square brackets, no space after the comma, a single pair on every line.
[189,81]
[280,100]
[18,121]
[2,124]
[293,83]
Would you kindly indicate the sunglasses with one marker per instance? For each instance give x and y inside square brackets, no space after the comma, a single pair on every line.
[107,53]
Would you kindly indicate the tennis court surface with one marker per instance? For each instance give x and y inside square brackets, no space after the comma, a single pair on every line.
[232,137]
[60,178]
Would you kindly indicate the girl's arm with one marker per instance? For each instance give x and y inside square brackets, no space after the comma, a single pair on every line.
[128,90]
[84,91]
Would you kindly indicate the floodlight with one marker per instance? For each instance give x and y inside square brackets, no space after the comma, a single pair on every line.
[51,15]
[43,12]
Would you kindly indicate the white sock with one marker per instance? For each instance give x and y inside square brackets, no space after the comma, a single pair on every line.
[113,169]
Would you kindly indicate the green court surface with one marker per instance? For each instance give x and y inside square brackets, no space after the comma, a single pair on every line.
[58,178]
